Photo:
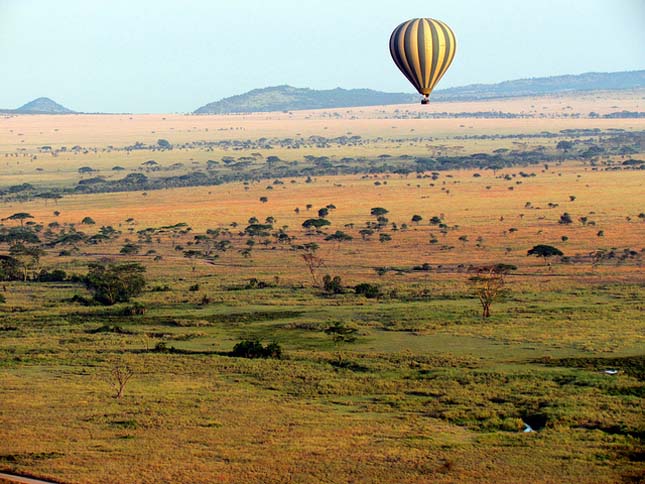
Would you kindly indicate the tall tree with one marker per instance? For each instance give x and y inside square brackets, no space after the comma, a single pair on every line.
[489,284]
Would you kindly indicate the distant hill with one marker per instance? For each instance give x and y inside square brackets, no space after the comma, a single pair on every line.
[42,105]
[590,81]
[287,98]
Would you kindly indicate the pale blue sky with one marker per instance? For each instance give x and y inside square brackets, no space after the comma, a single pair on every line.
[174,56]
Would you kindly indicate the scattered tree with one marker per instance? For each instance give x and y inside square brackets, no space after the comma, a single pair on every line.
[341,333]
[313,263]
[20,216]
[111,283]
[120,376]
[565,219]
[544,251]
[315,223]
[489,284]
[339,236]
[378,211]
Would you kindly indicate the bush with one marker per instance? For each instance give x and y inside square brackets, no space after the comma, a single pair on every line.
[162,347]
[57,275]
[194,287]
[136,309]
[254,349]
[163,288]
[370,291]
[565,219]
[82,300]
[341,333]
[2,299]
[130,249]
[333,285]
[108,328]
[255,283]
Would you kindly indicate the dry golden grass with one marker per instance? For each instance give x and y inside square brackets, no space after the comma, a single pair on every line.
[21,136]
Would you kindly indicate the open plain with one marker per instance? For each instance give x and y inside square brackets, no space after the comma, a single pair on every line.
[390,374]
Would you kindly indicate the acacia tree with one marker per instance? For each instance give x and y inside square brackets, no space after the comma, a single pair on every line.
[340,333]
[315,223]
[312,262]
[193,255]
[27,257]
[120,375]
[544,251]
[20,216]
[112,283]
[339,236]
[10,268]
[378,211]
[489,284]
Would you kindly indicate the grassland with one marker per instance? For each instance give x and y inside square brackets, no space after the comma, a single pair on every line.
[428,392]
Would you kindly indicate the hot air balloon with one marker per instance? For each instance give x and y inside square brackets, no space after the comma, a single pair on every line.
[423,49]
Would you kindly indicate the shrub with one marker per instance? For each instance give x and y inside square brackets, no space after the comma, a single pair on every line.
[254,349]
[341,333]
[162,347]
[108,328]
[333,285]
[129,249]
[565,219]
[136,309]
[57,275]
[368,290]
[163,288]
[255,283]
[82,300]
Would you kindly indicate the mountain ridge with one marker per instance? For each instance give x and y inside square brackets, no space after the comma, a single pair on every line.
[289,98]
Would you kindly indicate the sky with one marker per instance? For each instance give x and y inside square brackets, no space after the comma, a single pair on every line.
[174,56]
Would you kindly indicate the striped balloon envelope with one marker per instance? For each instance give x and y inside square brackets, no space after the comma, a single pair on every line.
[423,49]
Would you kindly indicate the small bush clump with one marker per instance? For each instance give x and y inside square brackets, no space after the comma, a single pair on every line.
[370,291]
[254,349]
[136,309]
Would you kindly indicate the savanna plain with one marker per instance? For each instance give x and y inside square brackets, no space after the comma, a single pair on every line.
[301,296]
